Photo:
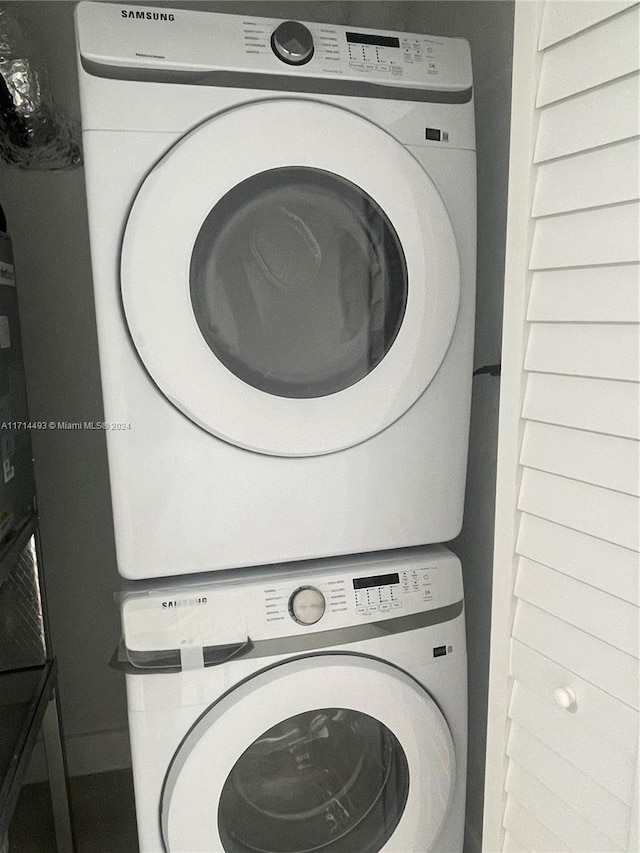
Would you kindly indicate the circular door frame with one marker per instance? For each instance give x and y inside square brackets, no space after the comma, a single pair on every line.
[165,220]
[198,771]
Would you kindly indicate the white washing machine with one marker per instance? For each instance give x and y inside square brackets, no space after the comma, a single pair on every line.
[282,221]
[316,707]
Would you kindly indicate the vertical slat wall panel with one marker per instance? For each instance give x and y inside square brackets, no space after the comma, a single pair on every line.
[590,509]
[586,295]
[598,405]
[593,561]
[603,460]
[573,565]
[522,824]
[602,664]
[615,722]
[599,236]
[512,845]
[578,835]
[605,764]
[562,20]
[601,350]
[592,802]
[613,177]
[604,616]
[589,120]
[602,53]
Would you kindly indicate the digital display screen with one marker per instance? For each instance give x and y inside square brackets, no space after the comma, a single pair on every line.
[379,580]
[381,41]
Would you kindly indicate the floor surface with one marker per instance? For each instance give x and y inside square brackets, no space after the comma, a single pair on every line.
[102,811]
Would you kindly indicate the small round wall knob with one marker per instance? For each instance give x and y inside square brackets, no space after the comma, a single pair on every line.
[307,605]
[292,43]
[565,697]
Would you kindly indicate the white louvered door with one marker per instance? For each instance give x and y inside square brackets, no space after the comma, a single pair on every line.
[565,605]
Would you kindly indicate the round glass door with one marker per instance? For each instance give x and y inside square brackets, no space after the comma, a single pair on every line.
[312,755]
[293,291]
[331,779]
[298,282]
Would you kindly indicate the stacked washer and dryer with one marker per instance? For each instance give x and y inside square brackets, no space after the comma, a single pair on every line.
[282,221]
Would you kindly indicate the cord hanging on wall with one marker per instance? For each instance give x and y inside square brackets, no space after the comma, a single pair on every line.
[491,369]
[34,133]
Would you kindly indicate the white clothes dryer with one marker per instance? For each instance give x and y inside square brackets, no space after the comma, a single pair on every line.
[282,222]
[301,709]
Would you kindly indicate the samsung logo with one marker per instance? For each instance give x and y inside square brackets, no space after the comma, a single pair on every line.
[185,602]
[148,16]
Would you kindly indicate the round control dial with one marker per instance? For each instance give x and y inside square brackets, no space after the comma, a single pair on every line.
[292,43]
[307,605]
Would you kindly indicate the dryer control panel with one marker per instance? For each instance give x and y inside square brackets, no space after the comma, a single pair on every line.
[124,36]
[358,54]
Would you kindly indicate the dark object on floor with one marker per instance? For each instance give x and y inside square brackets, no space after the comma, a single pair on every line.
[103,814]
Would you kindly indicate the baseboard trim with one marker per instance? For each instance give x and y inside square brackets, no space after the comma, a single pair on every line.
[94,752]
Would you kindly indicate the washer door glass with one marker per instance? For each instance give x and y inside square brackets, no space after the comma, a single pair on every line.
[298,282]
[311,755]
[330,779]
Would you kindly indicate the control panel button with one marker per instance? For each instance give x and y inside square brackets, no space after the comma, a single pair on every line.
[307,605]
[292,43]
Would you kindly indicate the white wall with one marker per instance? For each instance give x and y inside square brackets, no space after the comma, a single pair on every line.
[47,219]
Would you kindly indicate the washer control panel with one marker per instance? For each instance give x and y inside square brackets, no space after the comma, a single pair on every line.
[375,591]
[288,600]
[392,592]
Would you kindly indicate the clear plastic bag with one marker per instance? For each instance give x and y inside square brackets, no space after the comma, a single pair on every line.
[34,132]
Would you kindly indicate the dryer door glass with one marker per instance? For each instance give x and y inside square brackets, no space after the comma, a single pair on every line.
[298,282]
[331,779]
[307,290]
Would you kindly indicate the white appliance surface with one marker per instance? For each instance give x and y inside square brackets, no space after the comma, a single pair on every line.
[283,249]
[327,709]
